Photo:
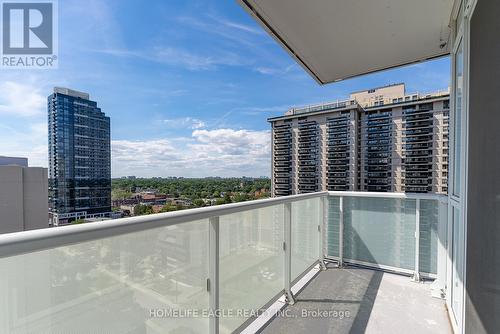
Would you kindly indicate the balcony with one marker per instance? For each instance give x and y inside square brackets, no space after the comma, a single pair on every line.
[379,115]
[338,162]
[338,155]
[379,129]
[168,273]
[340,168]
[311,187]
[333,175]
[336,187]
[338,124]
[338,135]
[309,139]
[413,32]
[338,143]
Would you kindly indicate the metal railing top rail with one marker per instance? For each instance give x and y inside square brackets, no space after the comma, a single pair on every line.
[438,197]
[18,243]
[36,240]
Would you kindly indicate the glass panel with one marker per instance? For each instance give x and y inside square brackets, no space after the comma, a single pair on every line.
[380,231]
[457,119]
[251,262]
[306,216]
[333,228]
[457,268]
[123,284]
[431,211]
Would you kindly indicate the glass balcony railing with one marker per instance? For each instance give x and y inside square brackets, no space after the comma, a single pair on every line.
[205,270]
[391,231]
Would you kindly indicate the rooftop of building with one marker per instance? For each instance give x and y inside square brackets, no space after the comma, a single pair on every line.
[16,161]
[357,100]
[71,92]
[379,87]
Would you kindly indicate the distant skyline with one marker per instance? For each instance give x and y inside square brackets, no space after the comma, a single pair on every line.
[188,86]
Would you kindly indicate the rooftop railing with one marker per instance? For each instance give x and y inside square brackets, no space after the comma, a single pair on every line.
[206,269]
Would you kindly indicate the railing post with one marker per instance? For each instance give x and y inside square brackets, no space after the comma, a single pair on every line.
[416,274]
[322,228]
[213,273]
[287,250]
[341,232]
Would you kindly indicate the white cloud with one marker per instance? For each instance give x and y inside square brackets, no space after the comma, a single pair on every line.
[23,115]
[179,57]
[275,70]
[221,152]
[238,26]
[22,100]
[267,70]
[261,110]
[29,141]
[232,31]
[184,122]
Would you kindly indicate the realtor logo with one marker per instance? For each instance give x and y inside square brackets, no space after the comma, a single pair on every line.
[29,34]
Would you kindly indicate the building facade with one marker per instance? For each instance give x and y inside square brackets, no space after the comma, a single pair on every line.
[380,139]
[23,198]
[79,157]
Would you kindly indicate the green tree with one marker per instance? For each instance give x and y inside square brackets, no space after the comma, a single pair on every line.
[120,194]
[220,201]
[141,209]
[168,208]
[198,202]
[241,197]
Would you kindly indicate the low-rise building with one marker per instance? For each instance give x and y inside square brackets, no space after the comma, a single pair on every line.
[23,198]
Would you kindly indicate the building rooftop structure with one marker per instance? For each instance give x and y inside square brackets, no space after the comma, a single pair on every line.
[367,99]
[6,161]
[71,92]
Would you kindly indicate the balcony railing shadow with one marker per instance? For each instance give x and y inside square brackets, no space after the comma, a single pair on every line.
[335,301]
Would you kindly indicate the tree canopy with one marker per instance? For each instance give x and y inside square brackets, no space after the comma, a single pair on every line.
[242,188]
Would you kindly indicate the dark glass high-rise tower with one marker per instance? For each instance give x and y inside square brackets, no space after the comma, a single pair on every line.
[79,156]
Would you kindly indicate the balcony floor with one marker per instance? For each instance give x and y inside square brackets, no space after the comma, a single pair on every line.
[378,302]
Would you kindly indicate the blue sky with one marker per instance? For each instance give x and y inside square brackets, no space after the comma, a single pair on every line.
[188,86]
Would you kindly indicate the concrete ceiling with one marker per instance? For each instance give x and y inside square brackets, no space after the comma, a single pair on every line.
[339,39]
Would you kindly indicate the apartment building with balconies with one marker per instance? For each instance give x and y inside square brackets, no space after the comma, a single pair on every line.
[318,150]
[380,139]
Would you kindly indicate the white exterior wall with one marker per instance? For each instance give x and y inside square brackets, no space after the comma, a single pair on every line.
[11,199]
[23,198]
[35,196]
